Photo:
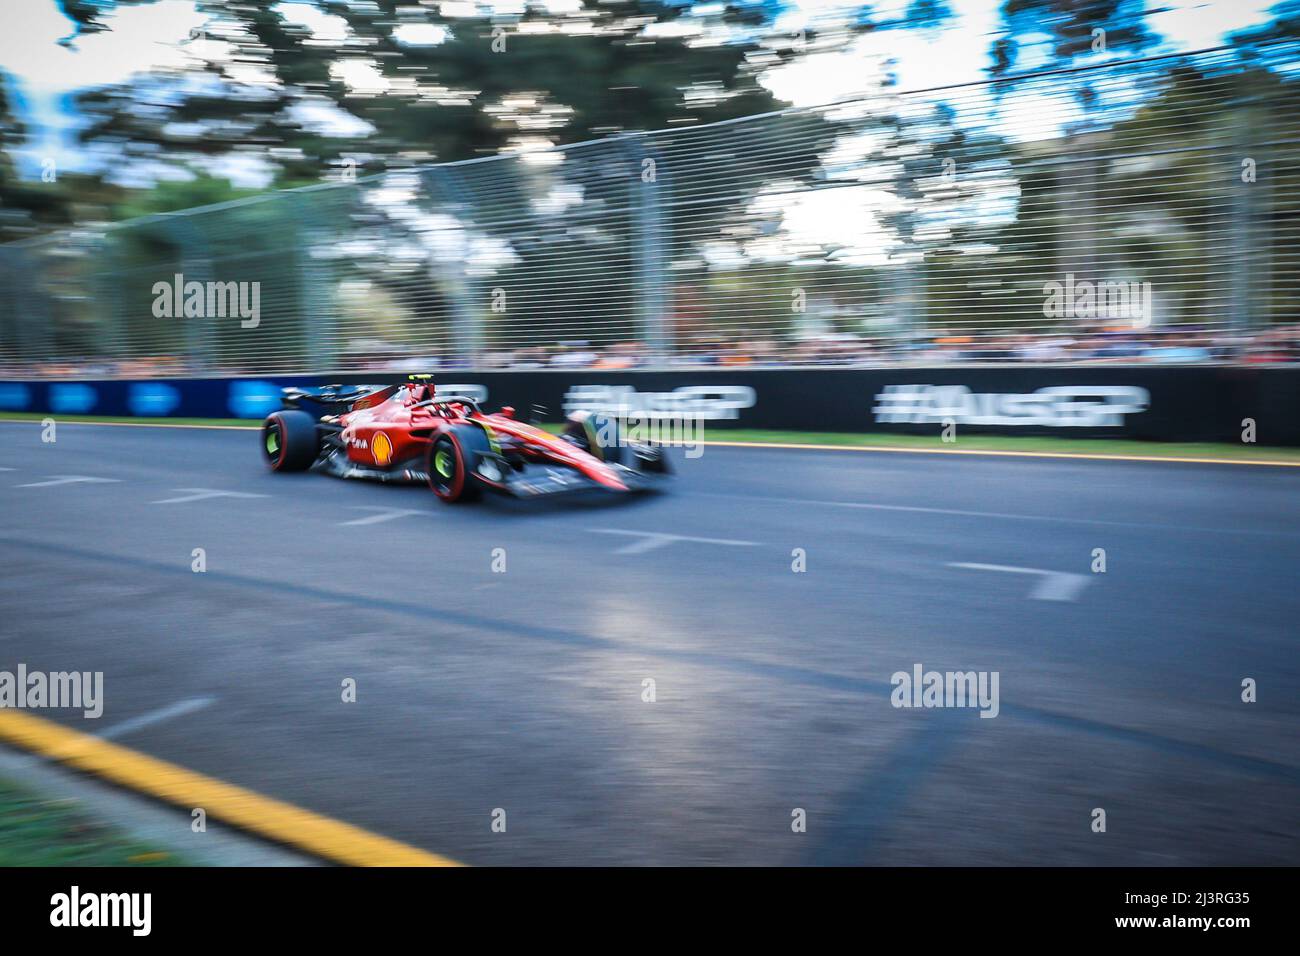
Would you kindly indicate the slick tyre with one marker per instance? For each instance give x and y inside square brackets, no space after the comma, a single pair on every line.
[451,459]
[651,459]
[289,441]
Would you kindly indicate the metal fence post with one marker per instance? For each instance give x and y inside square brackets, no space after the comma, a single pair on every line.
[649,203]
[1242,247]
[315,282]
[461,288]
[110,336]
[196,266]
[36,317]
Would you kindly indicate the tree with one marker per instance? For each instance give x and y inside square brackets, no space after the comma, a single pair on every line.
[1073,28]
[404,84]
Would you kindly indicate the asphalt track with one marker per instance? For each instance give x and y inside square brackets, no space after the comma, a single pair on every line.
[523,690]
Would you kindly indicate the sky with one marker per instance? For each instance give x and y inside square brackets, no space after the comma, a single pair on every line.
[45,75]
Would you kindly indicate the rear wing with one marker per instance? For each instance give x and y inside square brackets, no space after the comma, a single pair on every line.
[334,399]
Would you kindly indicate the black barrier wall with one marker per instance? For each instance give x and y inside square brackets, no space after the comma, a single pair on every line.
[1182,404]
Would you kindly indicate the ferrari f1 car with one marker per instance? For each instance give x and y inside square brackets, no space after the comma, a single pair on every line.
[408,433]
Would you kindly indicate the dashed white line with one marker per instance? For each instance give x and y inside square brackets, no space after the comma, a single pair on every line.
[201,494]
[1052,585]
[915,509]
[67,480]
[653,540]
[385,514]
[178,709]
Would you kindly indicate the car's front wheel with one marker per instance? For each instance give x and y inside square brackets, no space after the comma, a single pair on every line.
[289,441]
[451,458]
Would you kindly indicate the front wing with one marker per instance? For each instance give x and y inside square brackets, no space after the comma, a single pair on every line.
[539,480]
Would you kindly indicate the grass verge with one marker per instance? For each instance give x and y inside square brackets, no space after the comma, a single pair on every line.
[1036,445]
[1043,445]
[36,831]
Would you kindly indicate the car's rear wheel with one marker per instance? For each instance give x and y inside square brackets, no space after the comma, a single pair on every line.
[289,441]
[451,459]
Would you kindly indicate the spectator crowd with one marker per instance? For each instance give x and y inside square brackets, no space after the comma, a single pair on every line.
[1184,345]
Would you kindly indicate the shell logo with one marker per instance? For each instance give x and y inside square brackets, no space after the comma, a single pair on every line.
[382,448]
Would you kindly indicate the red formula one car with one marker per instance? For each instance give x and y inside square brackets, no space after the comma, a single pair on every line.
[408,433]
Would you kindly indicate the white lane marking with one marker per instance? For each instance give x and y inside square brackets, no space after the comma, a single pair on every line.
[8,469]
[385,514]
[67,480]
[178,709]
[653,540]
[200,494]
[916,509]
[1052,585]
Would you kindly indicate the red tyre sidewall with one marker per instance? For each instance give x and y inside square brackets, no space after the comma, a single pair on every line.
[284,444]
[458,486]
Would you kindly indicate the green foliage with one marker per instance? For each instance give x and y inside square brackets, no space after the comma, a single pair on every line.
[173,195]
[1070,26]
[39,832]
[454,100]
